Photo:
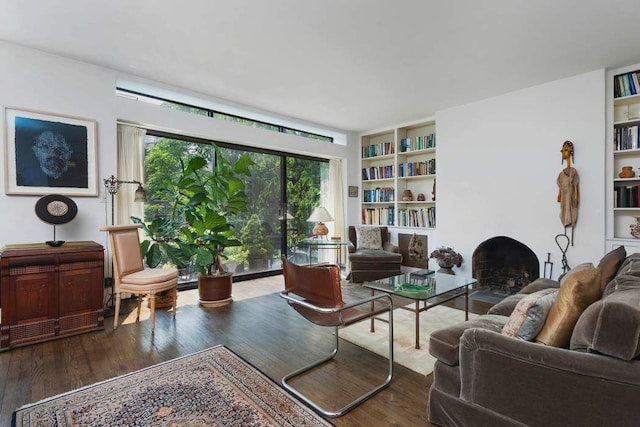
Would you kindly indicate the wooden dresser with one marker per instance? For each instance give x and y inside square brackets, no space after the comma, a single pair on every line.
[48,293]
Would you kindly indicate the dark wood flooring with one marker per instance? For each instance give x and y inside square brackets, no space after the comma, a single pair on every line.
[260,328]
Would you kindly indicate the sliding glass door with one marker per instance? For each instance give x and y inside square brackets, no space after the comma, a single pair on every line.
[282,192]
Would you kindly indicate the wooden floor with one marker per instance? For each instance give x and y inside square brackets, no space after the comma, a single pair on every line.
[258,326]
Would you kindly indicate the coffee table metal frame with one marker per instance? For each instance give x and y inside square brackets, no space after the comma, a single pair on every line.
[322,243]
[445,287]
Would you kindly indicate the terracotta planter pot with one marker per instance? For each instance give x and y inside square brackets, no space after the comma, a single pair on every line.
[215,291]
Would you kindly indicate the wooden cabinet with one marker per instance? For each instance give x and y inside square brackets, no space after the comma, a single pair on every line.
[397,164]
[48,293]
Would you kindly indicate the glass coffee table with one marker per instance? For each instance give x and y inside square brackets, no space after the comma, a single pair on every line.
[425,290]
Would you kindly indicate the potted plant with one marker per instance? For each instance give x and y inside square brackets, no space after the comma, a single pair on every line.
[255,240]
[210,199]
[446,258]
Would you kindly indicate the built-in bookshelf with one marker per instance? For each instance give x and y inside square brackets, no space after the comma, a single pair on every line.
[623,140]
[397,162]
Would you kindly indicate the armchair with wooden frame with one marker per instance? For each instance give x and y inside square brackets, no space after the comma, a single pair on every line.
[129,273]
[315,293]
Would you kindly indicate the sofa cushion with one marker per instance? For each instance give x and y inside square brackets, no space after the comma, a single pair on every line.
[609,265]
[579,288]
[540,284]
[444,344]
[368,238]
[372,256]
[506,306]
[610,326]
[630,266]
[529,315]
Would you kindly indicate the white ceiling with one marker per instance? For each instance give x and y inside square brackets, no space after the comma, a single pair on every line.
[348,64]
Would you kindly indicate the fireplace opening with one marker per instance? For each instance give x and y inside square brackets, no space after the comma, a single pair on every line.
[502,266]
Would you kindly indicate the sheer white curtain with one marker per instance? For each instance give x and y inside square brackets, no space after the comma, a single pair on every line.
[335,199]
[130,167]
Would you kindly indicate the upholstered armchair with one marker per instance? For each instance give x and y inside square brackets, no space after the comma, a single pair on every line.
[371,255]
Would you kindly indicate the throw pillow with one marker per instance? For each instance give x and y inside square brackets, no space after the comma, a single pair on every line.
[579,288]
[609,265]
[368,237]
[530,313]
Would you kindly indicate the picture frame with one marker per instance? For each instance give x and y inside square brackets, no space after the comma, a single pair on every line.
[353,191]
[48,153]
[407,259]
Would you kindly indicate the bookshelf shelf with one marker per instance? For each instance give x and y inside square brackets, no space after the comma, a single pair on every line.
[409,163]
[378,180]
[623,138]
[426,176]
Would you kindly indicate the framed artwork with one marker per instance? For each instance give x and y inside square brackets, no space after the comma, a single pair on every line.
[418,256]
[48,153]
[353,191]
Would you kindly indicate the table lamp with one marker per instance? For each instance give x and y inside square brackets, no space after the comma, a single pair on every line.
[320,215]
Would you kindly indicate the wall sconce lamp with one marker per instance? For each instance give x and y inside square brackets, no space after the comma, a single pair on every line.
[320,215]
[112,185]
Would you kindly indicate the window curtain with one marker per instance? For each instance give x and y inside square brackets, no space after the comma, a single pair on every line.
[130,167]
[335,199]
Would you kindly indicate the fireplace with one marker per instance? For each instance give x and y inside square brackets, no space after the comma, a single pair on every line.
[503,266]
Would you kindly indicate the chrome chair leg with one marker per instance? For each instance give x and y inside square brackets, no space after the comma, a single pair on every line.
[358,400]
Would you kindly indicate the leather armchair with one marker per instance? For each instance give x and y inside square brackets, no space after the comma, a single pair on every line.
[372,264]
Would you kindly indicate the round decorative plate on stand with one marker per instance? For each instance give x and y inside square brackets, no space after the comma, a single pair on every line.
[56,209]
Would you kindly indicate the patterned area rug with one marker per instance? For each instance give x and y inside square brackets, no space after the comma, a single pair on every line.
[405,353]
[214,387]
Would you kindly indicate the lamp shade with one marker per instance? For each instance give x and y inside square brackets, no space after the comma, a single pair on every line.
[320,214]
[140,194]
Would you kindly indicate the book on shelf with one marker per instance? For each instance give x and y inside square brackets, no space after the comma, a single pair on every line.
[375,195]
[378,172]
[632,87]
[380,149]
[378,216]
[626,84]
[418,143]
[422,217]
[427,167]
[627,196]
[626,138]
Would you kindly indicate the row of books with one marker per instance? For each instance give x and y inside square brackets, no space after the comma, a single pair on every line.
[378,216]
[423,217]
[380,194]
[418,143]
[626,84]
[627,196]
[418,168]
[380,172]
[626,138]
[380,149]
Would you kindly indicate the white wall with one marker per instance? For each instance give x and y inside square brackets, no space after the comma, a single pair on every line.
[31,79]
[498,161]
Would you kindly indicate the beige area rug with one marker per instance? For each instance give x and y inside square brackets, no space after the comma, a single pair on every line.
[214,387]
[405,353]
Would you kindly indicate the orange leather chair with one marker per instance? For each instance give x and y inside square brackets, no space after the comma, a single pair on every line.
[315,293]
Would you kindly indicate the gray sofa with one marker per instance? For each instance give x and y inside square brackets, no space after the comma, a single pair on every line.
[484,378]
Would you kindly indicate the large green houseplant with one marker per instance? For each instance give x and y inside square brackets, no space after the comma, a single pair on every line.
[198,229]
[210,199]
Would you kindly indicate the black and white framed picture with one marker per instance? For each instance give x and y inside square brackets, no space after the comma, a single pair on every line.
[49,153]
